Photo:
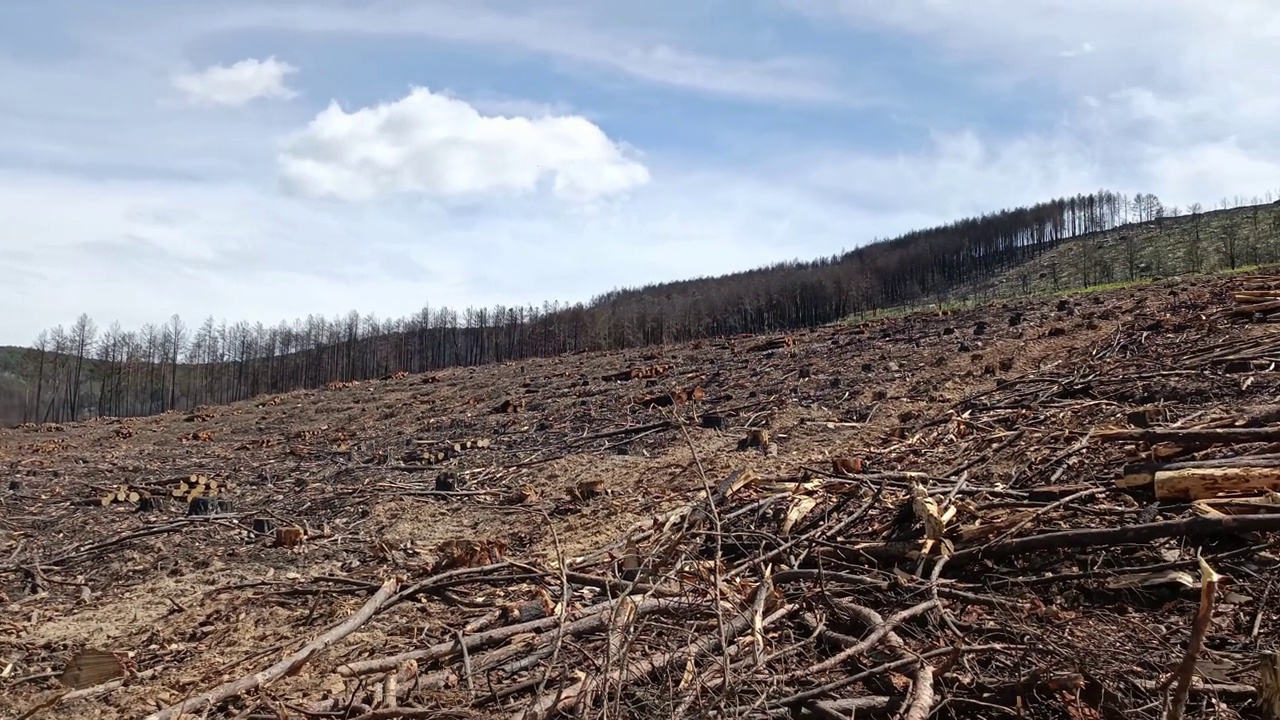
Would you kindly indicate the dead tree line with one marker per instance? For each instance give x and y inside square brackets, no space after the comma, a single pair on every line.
[79,372]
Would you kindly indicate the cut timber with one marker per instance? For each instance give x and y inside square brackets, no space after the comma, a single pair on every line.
[734,482]
[1191,436]
[91,667]
[509,406]
[754,439]
[288,537]
[1202,483]
[712,422]
[1257,307]
[775,344]
[586,490]
[1140,474]
[847,466]
[442,451]
[639,373]
[468,553]
[673,398]
[1046,493]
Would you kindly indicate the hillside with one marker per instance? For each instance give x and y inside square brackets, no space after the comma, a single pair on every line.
[84,371]
[727,531]
[1204,242]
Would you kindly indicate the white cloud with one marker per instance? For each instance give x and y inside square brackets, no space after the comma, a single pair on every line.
[238,83]
[442,147]
[957,175]
[1151,96]
[1191,51]
[134,250]
[458,188]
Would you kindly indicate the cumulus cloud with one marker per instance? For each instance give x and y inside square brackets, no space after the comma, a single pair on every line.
[442,147]
[238,83]
[133,249]
[1163,103]
[1155,96]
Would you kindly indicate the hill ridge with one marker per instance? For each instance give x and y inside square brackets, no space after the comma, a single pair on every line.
[1050,247]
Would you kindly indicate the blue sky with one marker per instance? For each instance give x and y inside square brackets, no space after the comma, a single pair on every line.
[267,160]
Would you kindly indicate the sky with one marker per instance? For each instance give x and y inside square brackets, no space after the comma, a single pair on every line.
[264,160]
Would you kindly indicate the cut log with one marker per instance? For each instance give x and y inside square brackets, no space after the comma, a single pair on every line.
[1269,306]
[1202,483]
[1047,493]
[1188,436]
[1140,474]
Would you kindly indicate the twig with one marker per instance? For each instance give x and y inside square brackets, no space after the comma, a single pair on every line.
[595,620]
[569,698]
[1044,509]
[716,525]
[880,628]
[848,680]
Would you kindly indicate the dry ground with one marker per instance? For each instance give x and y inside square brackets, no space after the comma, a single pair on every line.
[988,414]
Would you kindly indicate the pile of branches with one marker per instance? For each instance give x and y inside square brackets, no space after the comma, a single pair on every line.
[824,595]
[1092,542]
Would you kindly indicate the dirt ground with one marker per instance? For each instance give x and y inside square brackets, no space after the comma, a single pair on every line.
[1000,397]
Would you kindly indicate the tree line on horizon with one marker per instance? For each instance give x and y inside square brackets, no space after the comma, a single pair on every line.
[80,371]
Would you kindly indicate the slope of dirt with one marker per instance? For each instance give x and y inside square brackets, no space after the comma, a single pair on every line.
[737,605]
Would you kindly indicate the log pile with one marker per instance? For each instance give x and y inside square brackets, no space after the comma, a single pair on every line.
[1257,296]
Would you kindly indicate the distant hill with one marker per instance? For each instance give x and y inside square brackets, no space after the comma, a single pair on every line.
[1200,242]
[1059,245]
[13,384]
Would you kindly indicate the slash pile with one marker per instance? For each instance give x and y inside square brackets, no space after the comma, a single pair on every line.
[1074,514]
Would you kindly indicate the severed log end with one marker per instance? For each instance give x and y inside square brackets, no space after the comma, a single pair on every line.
[91,667]
[288,537]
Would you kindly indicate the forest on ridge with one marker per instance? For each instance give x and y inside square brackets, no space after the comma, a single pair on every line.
[86,370]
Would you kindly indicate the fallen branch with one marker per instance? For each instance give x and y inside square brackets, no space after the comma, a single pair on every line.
[86,550]
[622,431]
[847,680]
[881,628]
[1207,436]
[287,666]
[1186,670]
[567,699]
[922,695]
[596,621]
[1093,537]
[846,708]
